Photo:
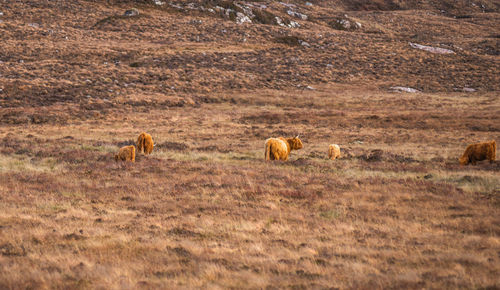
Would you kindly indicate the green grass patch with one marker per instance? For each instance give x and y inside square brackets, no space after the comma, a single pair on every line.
[332,214]
[19,163]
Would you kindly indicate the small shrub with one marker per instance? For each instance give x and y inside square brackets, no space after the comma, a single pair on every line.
[177,146]
[289,39]
[125,143]
[264,17]
[335,24]
[331,214]
[115,18]
[361,5]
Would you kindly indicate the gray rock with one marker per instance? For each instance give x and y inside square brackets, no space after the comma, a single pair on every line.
[279,21]
[191,6]
[176,6]
[297,14]
[131,12]
[345,24]
[431,49]
[242,18]
[246,10]
[303,43]
[468,90]
[404,89]
[292,24]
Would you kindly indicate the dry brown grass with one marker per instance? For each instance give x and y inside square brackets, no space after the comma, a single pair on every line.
[204,210]
[212,213]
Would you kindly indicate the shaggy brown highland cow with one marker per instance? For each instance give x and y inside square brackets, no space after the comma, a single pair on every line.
[479,152]
[333,151]
[279,148]
[126,153]
[145,143]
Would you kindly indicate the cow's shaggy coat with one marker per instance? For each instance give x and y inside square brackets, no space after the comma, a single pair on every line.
[333,151]
[145,143]
[126,153]
[279,148]
[479,152]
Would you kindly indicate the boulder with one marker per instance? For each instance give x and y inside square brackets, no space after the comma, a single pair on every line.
[131,12]
[431,49]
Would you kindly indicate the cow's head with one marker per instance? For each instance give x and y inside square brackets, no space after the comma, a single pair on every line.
[296,143]
[464,160]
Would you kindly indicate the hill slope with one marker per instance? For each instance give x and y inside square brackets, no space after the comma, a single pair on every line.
[210,81]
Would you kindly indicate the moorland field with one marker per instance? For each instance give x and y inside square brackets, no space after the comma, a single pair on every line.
[80,79]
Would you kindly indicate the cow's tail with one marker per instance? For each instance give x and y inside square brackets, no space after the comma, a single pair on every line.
[267,154]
